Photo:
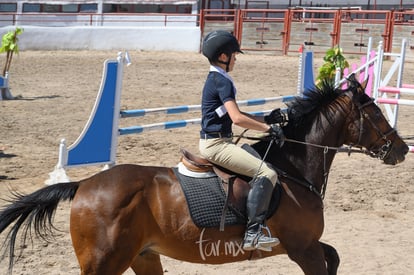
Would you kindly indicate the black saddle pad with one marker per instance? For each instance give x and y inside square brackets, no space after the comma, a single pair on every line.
[205,198]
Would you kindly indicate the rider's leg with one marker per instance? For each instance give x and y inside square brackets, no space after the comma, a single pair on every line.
[257,204]
[234,158]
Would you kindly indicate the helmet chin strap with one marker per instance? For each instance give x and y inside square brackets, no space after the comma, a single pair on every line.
[225,63]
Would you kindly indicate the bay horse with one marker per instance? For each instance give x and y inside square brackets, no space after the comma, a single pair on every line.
[129,215]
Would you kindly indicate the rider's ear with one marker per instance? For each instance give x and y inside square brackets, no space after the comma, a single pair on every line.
[223,57]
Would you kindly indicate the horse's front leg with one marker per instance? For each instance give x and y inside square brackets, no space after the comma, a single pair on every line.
[147,263]
[310,259]
[331,257]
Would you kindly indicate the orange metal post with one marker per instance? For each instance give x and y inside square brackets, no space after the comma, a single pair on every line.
[335,34]
[238,25]
[286,31]
[388,35]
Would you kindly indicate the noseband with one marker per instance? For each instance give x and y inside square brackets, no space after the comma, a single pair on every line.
[383,150]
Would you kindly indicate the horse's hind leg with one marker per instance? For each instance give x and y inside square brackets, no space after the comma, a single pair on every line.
[331,257]
[102,259]
[311,260]
[147,263]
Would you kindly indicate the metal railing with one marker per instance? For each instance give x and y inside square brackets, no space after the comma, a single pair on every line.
[280,30]
[94,19]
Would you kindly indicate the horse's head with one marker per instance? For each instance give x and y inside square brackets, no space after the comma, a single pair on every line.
[368,128]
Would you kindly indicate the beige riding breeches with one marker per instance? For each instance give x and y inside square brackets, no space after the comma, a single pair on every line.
[223,152]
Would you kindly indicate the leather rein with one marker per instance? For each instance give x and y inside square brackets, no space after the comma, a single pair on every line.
[381,153]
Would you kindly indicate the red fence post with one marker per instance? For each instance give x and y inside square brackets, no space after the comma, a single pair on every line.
[336,32]
[286,31]
[389,27]
[239,24]
[202,24]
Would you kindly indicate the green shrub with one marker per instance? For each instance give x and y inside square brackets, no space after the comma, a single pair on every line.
[333,59]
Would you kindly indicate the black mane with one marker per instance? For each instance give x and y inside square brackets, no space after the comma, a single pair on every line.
[303,112]
[318,107]
[315,103]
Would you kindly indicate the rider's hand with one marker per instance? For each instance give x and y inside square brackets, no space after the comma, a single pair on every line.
[276,116]
[276,132]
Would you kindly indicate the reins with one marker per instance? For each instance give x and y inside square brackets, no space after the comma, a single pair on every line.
[346,148]
[306,184]
[380,152]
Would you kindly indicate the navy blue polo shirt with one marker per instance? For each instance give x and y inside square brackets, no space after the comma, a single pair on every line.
[217,90]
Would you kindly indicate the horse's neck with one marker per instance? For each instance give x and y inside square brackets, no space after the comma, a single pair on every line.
[315,164]
[315,161]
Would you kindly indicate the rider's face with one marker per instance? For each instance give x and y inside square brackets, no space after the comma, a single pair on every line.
[224,58]
[232,61]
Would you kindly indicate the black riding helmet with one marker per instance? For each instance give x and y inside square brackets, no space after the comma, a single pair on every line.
[218,42]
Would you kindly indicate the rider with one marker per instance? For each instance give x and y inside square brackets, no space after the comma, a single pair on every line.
[219,111]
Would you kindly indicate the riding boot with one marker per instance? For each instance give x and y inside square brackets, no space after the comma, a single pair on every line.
[258,201]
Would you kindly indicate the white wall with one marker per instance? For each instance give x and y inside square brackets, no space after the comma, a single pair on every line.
[108,38]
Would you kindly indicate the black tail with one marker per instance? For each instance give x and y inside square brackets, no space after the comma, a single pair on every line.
[36,209]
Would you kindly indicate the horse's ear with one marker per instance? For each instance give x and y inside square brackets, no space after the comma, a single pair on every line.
[351,78]
[352,82]
[359,87]
[365,83]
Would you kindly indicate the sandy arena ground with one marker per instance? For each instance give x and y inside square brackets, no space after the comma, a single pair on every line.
[369,206]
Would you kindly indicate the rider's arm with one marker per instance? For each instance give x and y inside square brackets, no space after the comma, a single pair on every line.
[244,120]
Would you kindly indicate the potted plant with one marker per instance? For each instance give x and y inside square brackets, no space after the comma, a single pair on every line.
[334,59]
[9,46]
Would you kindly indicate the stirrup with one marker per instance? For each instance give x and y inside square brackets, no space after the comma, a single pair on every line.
[265,227]
[258,240]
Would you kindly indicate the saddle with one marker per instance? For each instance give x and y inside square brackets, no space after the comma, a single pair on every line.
[198,164]
[195,163]
[235,186]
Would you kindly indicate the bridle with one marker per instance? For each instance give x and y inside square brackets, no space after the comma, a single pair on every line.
[384,149]
[381,153]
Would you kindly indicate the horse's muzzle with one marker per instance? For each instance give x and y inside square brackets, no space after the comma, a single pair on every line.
[396,153]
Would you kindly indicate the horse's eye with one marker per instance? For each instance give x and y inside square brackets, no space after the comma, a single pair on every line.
[376,114]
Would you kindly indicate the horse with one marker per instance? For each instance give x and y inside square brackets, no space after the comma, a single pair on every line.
[129,215]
